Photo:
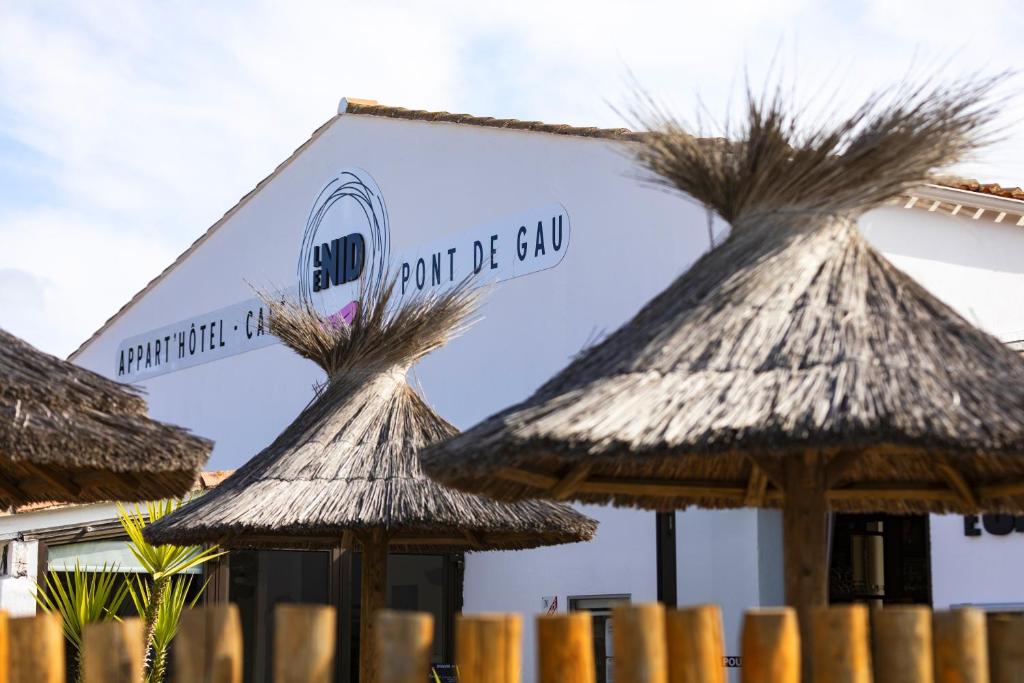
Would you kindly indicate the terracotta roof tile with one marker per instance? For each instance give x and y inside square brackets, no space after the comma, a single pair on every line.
[972,185]
[371,108]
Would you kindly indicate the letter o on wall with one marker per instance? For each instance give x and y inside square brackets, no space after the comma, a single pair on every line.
[998,525]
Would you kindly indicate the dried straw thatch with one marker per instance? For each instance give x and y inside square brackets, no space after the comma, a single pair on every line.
[68,434]
[791,366]
[345,472]
[347,464]
[794,335]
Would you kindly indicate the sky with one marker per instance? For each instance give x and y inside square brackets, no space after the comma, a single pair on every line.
[127,129]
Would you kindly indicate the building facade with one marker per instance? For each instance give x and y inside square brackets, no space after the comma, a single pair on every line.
[573,240]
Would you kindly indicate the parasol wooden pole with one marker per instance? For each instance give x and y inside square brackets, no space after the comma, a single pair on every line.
[373,597]
[805,542]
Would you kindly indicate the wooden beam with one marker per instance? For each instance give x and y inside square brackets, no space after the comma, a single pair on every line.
[756,487]
[59,481]
[473,538]
[426,540]
[1006,490]
[839,464]
[568,484]
[884,493]
[11,490]
[537,481]
[664,488]
[959,484]
[772,469]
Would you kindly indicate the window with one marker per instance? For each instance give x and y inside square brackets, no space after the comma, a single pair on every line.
[880,559]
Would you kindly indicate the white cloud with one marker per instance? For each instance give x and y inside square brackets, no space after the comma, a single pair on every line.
[141,123]
[60,277]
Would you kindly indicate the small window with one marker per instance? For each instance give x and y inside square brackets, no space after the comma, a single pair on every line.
[600,608]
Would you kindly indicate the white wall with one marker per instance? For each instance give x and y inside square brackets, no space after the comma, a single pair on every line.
[627,242]
[982,570]
[17,587]
[975,266]
[620,561]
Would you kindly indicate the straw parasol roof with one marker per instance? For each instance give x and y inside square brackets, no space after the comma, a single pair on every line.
[345,472]
[68,434]
[792,365]
[793,334]
[347,464]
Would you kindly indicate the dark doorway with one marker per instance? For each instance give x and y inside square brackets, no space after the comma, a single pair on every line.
[416,583]
[880,559]
[259,580]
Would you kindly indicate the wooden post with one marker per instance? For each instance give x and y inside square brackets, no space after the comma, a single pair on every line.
[841,651]
[218,588]
[373,597]
[1006,648]
[208,647]
[961,650]
[403,646]
[902,645]
[304,643]
[38,646]
[771,646]
[112,651]
[5,649]
[488,647]
[639,645]
[694,640]
[565,648]
[336,565]
[805,542]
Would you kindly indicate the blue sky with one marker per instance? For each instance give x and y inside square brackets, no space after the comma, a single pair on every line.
[126,129]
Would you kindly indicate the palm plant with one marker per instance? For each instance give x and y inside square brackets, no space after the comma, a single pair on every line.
[159,601]
[168,613]
[80,598]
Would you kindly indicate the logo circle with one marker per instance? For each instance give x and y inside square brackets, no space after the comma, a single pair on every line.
[346,243]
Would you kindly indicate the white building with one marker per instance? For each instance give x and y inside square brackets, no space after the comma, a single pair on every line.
[577,244]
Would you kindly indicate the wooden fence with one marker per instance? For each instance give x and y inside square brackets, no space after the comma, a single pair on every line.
[652,645]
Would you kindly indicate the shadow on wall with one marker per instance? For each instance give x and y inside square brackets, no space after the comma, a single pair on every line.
[949,239]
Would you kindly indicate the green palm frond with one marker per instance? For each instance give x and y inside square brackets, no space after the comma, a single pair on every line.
[160,598]
[160,561]
[167,616]
[82,598]
[172,602]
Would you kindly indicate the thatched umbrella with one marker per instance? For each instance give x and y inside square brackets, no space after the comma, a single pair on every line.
[346,468]
[792,365]
[68,434]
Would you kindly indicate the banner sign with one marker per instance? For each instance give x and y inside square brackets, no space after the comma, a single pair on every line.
[347,241]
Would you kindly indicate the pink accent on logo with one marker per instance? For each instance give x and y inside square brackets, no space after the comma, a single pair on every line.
[346,315]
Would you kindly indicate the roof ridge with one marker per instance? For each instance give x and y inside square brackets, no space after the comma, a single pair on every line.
[372,108]
[202,238]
